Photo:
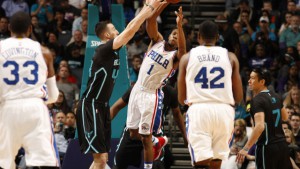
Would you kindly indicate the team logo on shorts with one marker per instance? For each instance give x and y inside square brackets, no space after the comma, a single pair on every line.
[145,127]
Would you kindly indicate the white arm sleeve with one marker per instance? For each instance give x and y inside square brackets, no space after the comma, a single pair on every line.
[52,90]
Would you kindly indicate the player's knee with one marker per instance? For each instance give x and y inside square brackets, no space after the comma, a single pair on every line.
[100,160]
[134,135]
[146,139]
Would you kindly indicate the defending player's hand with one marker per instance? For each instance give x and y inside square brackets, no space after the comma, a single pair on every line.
[155,3]
[179,16]
[241,156]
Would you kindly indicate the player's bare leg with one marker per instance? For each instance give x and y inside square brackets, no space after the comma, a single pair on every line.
[100,160]
[205,164]
[215,164]
[148,149]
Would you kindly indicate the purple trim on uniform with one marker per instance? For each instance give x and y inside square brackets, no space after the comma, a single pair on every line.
[158,115]
[54,144]
[187,133]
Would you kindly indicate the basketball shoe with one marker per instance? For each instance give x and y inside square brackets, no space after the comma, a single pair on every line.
[162,141]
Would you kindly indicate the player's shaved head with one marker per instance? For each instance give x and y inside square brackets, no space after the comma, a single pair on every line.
[20,23]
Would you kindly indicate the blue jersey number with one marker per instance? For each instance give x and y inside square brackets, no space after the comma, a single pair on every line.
[149,71]
[277,112]
[213,84]
[32,79]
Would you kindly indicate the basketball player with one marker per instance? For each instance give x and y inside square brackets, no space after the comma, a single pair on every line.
[25,68]
[93,124]
[267,110]
[134,147]
[210,83]
[145,103]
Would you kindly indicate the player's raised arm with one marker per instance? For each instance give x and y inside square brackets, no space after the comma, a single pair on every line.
[51,81]
[181,78]
[135,24]
[181,36]
[237,87]
[151,23]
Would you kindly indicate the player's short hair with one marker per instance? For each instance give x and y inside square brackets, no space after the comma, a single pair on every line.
[263,74]
[208,30]
[100,27]
[20,22]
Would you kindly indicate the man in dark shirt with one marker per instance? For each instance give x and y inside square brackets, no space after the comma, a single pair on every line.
[93,121]
[129,150]
[267,111]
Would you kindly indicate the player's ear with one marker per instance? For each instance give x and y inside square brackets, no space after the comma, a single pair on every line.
[217,37]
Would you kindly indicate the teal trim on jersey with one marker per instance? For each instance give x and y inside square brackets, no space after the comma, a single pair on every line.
[85,133]
[255,156]
[266,128]
[264,159]
[122,82]
[95,76]
[265,91]
[104,80]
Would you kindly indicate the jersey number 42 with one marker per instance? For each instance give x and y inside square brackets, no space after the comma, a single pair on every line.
[14,66]
[214,83]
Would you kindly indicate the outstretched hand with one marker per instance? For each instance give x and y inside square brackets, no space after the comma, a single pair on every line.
[155,3]
[179,16]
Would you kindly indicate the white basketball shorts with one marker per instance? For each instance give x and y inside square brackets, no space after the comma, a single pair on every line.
[209,130]
[145,110]
[26,123]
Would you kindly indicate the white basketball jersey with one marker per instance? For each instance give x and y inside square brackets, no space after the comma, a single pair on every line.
[157,67]
[23,71]
[208,76]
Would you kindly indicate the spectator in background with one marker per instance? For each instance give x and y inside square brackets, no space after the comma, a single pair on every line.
[260,59]
[272,26]
[4,32]
[38,33]
[12,6]
[59,106]
[70,11]
[75,53]
[128,9]
[71,90]
[293,97]
[189,36]
[291,78]
[70,126]
[244,6]
[79,4]
[290,110]
[59,131]
[286,23]
[245,22]
[134,69]
[233,4]
[291,35]
[244,39]
[43,10]
[239,140]
[71,78]
[138,47]
[59,24]
[263,26]
[77,22]
[228,39]
[295,124]
[84,29]
[52,42]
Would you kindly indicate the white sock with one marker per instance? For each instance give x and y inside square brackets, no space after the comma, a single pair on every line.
[148,165]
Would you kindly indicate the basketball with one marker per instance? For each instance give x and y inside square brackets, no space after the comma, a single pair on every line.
[173,1]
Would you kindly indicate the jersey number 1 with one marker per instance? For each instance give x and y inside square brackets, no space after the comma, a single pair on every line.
[15,72]
[201,77]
